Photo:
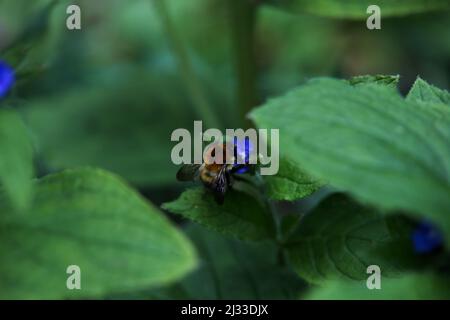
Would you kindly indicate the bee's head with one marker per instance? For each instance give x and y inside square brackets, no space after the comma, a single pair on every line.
[218,153]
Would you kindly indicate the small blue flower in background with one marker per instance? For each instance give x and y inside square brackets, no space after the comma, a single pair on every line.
[7,78]
[244,148]
[426,238]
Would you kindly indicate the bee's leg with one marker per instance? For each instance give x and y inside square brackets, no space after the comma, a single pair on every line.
[229,178]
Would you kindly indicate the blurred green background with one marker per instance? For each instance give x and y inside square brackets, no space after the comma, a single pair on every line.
[110,94]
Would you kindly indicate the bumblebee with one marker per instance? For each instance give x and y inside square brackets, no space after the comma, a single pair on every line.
[218,177]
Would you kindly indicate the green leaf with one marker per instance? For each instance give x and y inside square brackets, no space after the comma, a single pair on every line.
[241,215]
[388,80]
[16,159]
[291,182]
[230,269]
[421,91]
[90,218]
[341,238]
[367,140]
[410,287]
[357,9]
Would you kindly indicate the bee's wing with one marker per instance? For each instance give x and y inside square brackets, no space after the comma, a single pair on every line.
[188,172]
[220,186]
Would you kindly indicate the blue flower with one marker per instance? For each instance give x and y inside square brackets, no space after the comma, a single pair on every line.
[426,238]
[243,149]
[7,78]
[242,170]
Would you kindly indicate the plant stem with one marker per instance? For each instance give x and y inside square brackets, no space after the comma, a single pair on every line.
[243,17]
[192,83]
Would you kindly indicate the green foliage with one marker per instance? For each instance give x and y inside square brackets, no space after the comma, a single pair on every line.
[241,270]
[291,182]
[387,80]
[356,9]
[111,97]
[16,164]
[241,215]
[426,93]
[368,140]
[89,218]
[409,287]
[25,51]
[231,269]
[340,238]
